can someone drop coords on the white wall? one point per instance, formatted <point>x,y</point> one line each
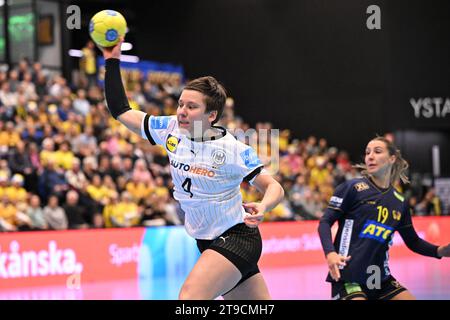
<point>50,55</point>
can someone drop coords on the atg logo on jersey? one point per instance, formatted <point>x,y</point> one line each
<point>250,158</point>
<point>361,186</point>
<point>375,230</point>
<point>172,143</point>
<point>159,123</point>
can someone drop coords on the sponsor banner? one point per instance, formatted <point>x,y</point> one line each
<point>153,255</point>
<point>63,257</point>
<point>430,107</point>
<point>74,257</point>
<point>156,71</point>
<point>167,256</point>
<point>288,244</point>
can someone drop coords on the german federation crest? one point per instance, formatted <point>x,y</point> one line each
<point>219,157</point>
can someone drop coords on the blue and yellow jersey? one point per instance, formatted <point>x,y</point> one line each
<point>368,217</point>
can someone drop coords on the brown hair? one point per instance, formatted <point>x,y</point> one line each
<point>215,94</point>
<point>398,170</point>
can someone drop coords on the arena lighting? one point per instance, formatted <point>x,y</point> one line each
<point>128,58</point>
<point>75,53</point>
<point>2,3</point>
<point>126,46</point>
<point>124,57</point>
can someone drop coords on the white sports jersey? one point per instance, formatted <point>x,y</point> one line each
<point>206,175</point>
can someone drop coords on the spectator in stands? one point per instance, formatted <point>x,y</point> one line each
<point>138,188</point>
<point>319,173</point>
<point>8,100</point>
<point>111,209</point>
<point>311,146</point>
<point>75,177</point>
<point>88,64</point>
<point>35,158</point>
<point>64,109</point>
<point>116,168</point>
<point>9,137</point>
<point>109,183</point>
<point>51,128</point>
<point>64,157</point>
<point>297,193</point>
<point>57,87</point>
<point>81,104</point>
<point>8,213</point>
<point>32,133</point>
<point>160,187</point>
<point>343,161</point>
<point>52,181</point>
<point>152,211</point>
<point>92,208</point>
<point>14,80</point>
<point>28,87</point>
<point>74,212</point>
<point>86,143</point>
<point>173,86</point>
<point>141,173</point>
<point>54,215</point>
<point>431,204</point>
<point>23,68</point>
<point>16,192</point>
<point>282,212</point>
<point>4,183</point>
<point>127,213</point>
<point>98,191</point>
<point>310,207</point>
<point>19,160</point>
<point>322,147</point>
<point>41,84</point>
<point>121,184</point>
<point>90,166</point>
<point>36,214</point>
<point>294,160</point>
<point>104,165</point>
<point>48,151</point>
<point>127,164</point>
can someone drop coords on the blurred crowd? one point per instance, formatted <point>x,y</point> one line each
<point>65,163</point>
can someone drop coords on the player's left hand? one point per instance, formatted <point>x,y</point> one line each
<point>444,251</point>
<point>255,213</point>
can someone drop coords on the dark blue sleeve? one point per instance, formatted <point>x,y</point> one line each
<point>412,240</point>
<point>116,98</point>
<point>340,202</point>
<point>328,219</point>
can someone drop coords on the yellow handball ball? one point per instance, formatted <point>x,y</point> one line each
<point>106,27</point>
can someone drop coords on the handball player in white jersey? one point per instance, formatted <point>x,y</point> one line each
<point>207,166</point>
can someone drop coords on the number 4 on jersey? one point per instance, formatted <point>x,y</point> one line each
<point>187,184</point>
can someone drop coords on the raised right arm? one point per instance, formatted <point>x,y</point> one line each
<point>116,98</point>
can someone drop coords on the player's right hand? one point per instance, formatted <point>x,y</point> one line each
<point>444,251</point>
<point>334,262</point>
<point>112,52</point>
<point>255,213</point>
